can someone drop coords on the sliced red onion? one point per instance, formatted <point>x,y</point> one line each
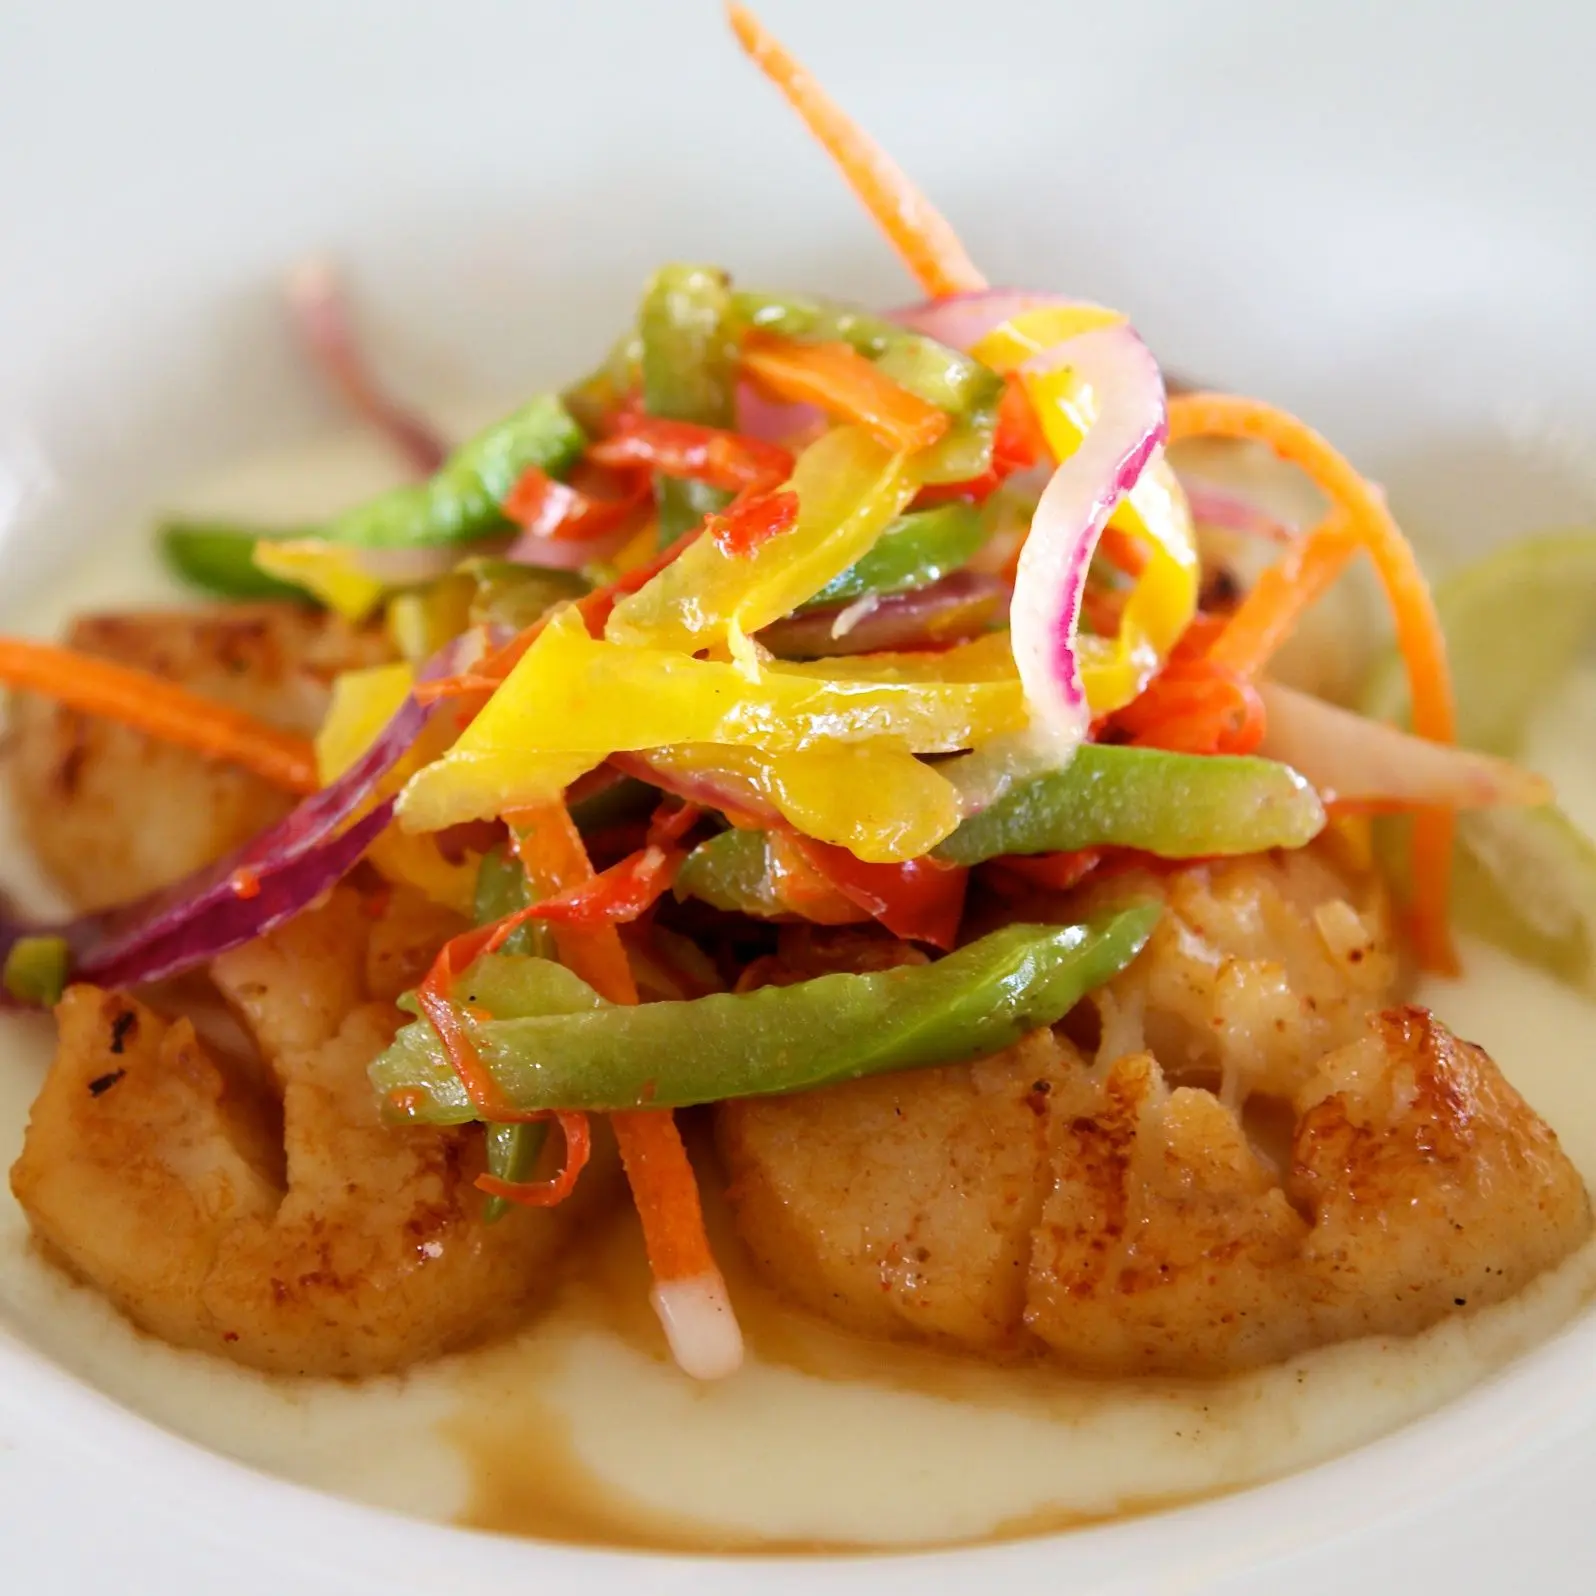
<point>770,420</point>
<point>281,871</point>
<point>961,606</point>
<point>1351,759</point>
<point>212,916</point>
<point>567,554</point>
<point>1118,370</point>
<point>963,320</point>
<point>410,567</point>
<point>1231,512</point>
<point>1075,505</point>
<point>710,788</point>
<point>321,316</point>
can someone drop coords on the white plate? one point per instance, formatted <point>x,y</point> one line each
<point>1376,213</point>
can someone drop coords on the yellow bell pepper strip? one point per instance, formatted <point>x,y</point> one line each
<point>849,489</point>
<point>572,700</point>
<point>219,558</point>
<point>330,572</point>
<point>363,702</point>
<point>1154,512</point>
<point>688,359</point>
<point>423,620</point>
<point>507,594</point>
<point>880,803</point>
<point>1419,634</point>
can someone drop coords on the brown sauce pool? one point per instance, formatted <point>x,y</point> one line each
<point>528,1476</point>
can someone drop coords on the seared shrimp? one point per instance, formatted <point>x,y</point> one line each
<point>112,814</point>
<point>1041,1201</point>
<point>287,1228</point>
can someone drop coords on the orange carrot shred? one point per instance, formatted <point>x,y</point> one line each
<point>1369,524</point>
<point>547,1193</point>
<point>1269,613</point>
<point>844,384</point>
<point>666,1193</point>
<point>656,1164</point>
<point>160,709</point>
<point>928,246</point>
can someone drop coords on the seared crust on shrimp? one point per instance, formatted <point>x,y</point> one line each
<point>111,813</point>
<point>335,1245</point>
<point>1041,1201</point>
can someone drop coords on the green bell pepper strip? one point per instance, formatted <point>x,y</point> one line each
<point>461,501</point>
<point>501,891</point>
<point>594,400</point>
<point>731,871</point>
<point>512,1150</point>
<point>219,558</point>
<point>689,372</point>
<point>515,595</point>
<point>958,383</point>
<point>36,969</point>
<point>912,552</point>
<point>778,1039</point>
<point>512,1153</point>
<point>1178,806</point>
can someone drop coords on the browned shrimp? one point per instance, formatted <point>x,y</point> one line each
<point>112,814</point>
<point>1039,1200</point>
<point>279,1223</point>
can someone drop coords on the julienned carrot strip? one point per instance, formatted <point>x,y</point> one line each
<point>844,384</point>
<point>1270,612</point>
<point>159,708</point>
<point>435,999</point>
<point>547,1193</point>
<point>929,247</point>
<point>657,1169</point>
<point>1419,636</point>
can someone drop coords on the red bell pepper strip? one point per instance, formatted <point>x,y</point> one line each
<point>559,510</point>
<point>921,899</point>
<point>723,459</point>
<point>1017,445</point>
<point>751,520</point>
<point>616,896</point>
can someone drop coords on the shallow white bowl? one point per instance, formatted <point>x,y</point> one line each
<point>1377,214</point>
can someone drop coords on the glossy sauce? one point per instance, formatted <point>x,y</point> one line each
<point>580,1429</point>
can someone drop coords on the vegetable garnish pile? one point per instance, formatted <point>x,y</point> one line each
<point>724,672</point>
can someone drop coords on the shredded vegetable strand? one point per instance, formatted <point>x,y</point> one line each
<point>929,247</point>
<point>159,708</point>
<point>1269,613</point>
<point>1419,636</point>
<point>844,384</point>
<point>321,317</point>
<point>689,1292</point>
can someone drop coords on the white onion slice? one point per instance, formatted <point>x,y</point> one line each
<point>1352,759</point>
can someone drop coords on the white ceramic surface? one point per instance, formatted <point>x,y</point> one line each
<point>1377,213</point>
